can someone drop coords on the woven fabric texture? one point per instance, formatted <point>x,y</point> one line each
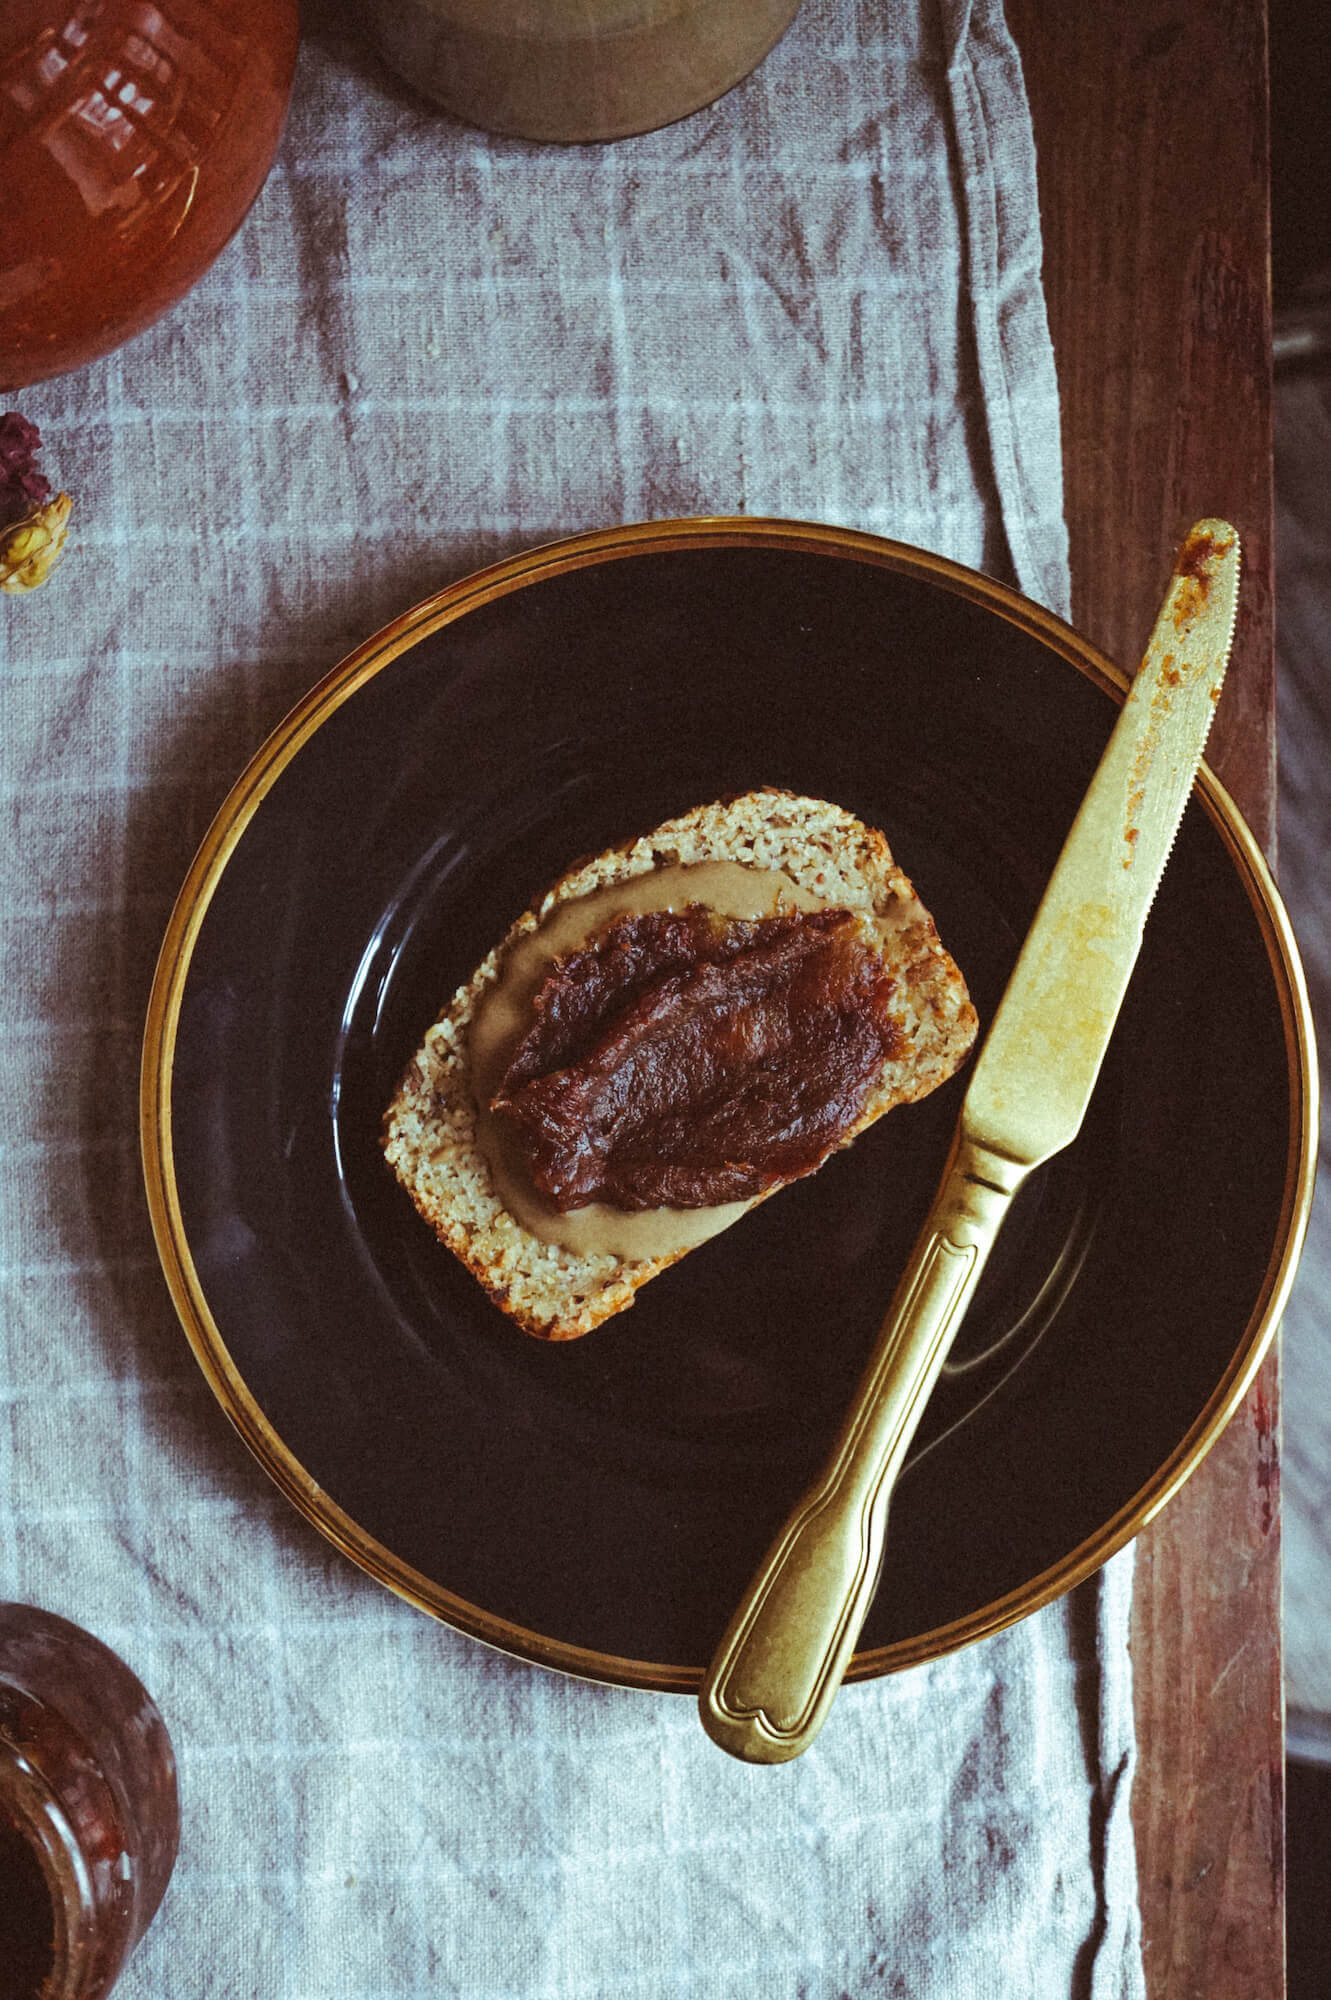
<point>426,348</point>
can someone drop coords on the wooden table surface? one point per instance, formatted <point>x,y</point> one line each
<point>1151,129</point>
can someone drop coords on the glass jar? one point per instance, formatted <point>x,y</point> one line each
<point>133,139</point>
<point>89,1813</point>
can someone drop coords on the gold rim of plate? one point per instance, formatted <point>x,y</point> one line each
<point>220,842</point>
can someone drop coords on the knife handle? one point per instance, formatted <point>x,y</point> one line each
<point>777,1670</point>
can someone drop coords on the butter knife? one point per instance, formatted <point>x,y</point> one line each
<point>777,1669</point>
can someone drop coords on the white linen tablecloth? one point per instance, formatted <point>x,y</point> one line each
<point>427,347</point>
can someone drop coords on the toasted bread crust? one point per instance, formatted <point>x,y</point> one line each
<point>430,1128</point>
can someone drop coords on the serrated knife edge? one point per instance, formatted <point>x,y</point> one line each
<point>1039,1062</point>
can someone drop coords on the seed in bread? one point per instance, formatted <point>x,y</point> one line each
<point>749,860</point>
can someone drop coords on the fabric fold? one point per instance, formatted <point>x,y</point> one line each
<point>1014,354</point>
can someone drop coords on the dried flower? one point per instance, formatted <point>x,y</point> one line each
<point>32,525</point>
<point>22,486</point>
<point>31,548</point>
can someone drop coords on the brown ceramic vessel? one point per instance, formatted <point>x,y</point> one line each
<point>576,69</point>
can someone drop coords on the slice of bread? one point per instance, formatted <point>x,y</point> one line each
<point>430,1129</point>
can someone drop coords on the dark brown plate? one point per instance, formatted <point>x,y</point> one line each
<point>599,1505</point>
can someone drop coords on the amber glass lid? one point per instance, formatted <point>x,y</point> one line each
<point>133,140</point>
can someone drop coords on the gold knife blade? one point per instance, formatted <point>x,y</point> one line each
<point>776,1671</point>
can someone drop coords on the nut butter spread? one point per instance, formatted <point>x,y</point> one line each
<point>658,1054</point>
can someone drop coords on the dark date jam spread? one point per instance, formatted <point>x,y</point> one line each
<point>683,1059</point>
